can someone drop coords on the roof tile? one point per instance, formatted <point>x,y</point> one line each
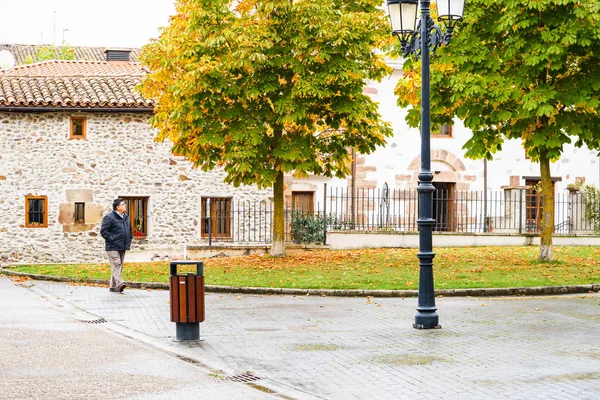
<point>77,68</point>
<point>68,91</point>
<point>72,83</point>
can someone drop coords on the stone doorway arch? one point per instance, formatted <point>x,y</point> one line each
<point>452,183</point>
<point>445,166</point>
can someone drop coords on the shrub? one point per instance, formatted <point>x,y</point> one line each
<point>592,203</point>
<point>307,228</point>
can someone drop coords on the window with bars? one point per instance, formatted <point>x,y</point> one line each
<point>137,209</point>
<point>78,128</point>
<point>36,211</point>
<point>79,216</point>
<point>219,211</point>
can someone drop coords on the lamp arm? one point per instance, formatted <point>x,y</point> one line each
<point>435,38</point>
<point>448,35</point>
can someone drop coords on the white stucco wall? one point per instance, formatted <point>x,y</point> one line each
<point>395,158</point>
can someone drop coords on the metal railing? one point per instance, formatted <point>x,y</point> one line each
<point>516,211</point>
<point>252,221</point>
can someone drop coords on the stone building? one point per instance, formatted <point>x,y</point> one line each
<point>74,135</point>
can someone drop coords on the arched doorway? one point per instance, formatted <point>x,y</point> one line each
<point>451,184</point>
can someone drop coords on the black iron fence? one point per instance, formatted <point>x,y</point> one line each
<point>517,211</point>
<point>507,211</point>
<point>252,221</point>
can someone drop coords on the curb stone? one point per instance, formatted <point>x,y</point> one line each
<point>477,292</point>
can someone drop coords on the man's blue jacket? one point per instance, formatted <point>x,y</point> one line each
<point>116,231</point>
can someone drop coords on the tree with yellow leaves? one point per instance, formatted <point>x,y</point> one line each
<point>262,88</point>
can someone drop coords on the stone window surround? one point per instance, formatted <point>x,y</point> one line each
<point>45,211</point>
<point>93,212</point>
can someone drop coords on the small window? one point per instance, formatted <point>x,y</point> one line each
<point>137,209</point>
<point>219,223</point>
<point>36,211</point>
<point>78,127</point>
<point>445,131</point>
<point>79,216</point>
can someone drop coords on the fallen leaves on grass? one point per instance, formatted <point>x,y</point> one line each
<point>368,269</point>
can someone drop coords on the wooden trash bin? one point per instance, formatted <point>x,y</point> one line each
<point>187,300</point>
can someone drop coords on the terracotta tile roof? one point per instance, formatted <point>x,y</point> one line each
<point>22,51</point>
<point>84,92</point>
<point>77,68</point>
<point>72,83</point>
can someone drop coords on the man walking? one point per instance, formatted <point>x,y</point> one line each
<point>116,231</point>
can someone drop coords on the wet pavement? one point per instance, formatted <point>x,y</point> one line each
<point>49,351</point>
<point>355,348</point>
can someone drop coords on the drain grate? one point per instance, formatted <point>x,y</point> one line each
<point>93,321</point>
<point>244,378</point>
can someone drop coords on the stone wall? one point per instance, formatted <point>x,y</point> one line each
<point>118,158</point>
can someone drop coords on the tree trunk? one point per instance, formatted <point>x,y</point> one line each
<point>547,209</point>
<point>278,247</point>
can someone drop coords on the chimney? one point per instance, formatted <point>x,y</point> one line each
<point>117,55</point>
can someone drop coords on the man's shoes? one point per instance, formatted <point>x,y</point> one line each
<point>119,289</point>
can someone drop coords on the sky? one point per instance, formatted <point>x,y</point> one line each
<point>104,23</point>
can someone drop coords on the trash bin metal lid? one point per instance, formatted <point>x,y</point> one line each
<point>199,266</point>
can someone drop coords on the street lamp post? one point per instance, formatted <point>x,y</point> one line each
<point>418,40</point>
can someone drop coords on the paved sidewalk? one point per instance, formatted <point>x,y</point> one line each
<point>47,353</point>
<point>357,348</point>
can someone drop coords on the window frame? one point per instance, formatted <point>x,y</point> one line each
<point>439,134</point>
<point>228,219</point>
<point>132,208</point>
<point>44,223</point>
<point>83,128</point>
<point>82,213</point>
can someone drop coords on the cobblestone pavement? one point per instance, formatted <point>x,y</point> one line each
<point>359,348</point>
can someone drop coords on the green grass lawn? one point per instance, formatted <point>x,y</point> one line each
<point>465,267</point>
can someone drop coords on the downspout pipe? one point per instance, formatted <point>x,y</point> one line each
<point>485,216</point>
